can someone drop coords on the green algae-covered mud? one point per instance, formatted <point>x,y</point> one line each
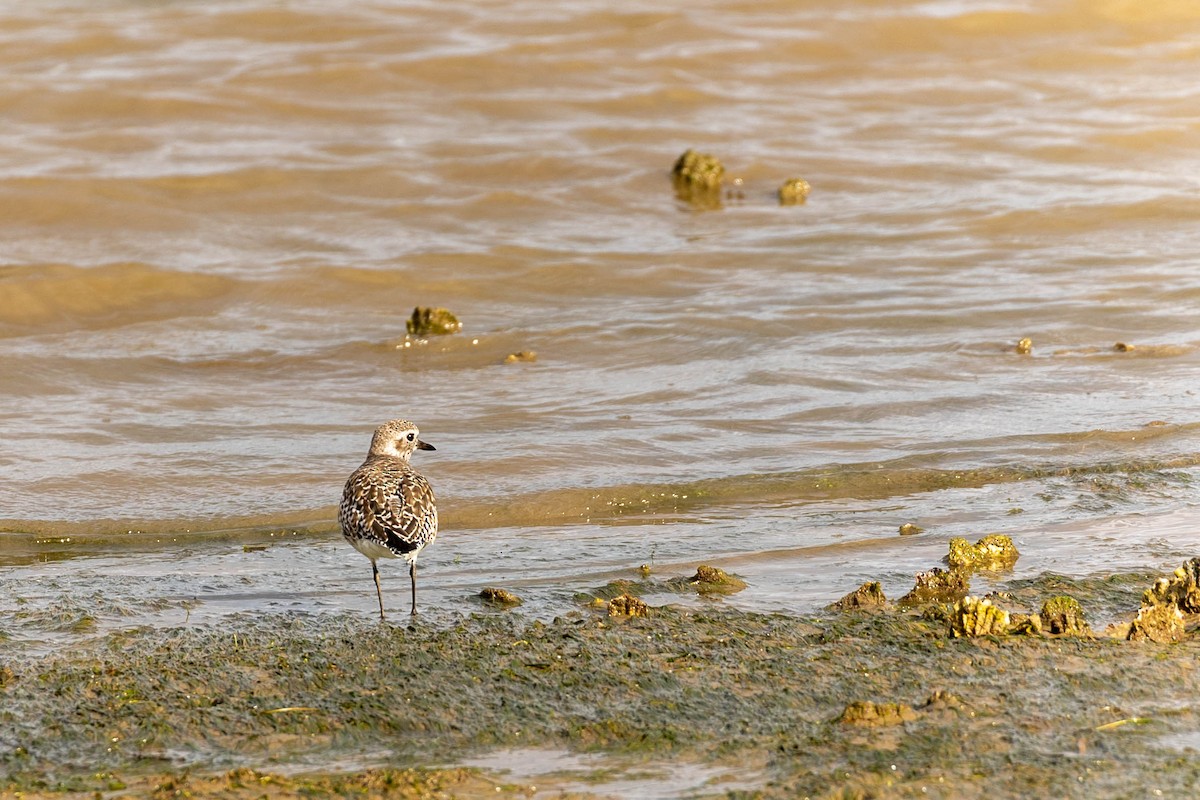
<point>244,709</point>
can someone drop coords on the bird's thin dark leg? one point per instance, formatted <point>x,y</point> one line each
<point>378,590</point>
<point>412,573</point>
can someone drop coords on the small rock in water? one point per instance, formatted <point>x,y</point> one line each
<point>794,192</point>
<point>499,597</point>
<point>697,178</point>
<point>1025,346</point>
<point>909,529</point>
<point>432,322</point>
<point>521,355</point>
<point>715,580</point>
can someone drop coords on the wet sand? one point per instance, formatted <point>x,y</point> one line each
<point>341,704</point>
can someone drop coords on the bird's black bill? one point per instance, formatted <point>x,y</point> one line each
<point>424,445</point>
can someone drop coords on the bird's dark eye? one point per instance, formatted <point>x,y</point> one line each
<point>412,436</point>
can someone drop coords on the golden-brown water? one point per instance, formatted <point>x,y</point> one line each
<point>215,218</point>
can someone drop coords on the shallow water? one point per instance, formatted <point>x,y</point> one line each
<point>216,218</point>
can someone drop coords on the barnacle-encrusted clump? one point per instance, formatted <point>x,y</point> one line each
<point>1160,618</point>
<point>864,712</point>
<point>697,178</point>
<point>1063,615</point>
<point>940,698</point>
<point>1157,623</point>
<point>910,529</point>
<point>499,597</point>
<point>994,551</point>
<point>709,580</point>
<point>1024,346</point>
<point>869,596</point>
<point>1027,624</point>
<point>1181,591</point>
<point>627,605</point>
<point>526,356</point>
<point>974,616</point>
<point>793,192</point>
<point>938,586</point>
<point>698,170</point>
<point>432,322</point>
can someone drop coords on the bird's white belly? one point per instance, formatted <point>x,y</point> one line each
<point>373,550</point>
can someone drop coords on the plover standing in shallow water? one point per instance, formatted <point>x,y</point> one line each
<point>387,507</point>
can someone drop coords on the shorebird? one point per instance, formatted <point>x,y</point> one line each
<point>387,509</point>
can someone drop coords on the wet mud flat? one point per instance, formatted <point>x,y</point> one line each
<point>836,704</point>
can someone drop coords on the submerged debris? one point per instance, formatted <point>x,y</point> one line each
<point>937,586</point>
<point>992,552</point>
<point>627,605</point>
<point>974,616</point>
<point>1025,346</point>
<point>432,322</point>
<point>527,356</point>
<point>910,529</point>
<point>1123,347</point>
<point>499,597</point>
<point>794,192</point>
<point>869,596</point>
<point>864,712</point>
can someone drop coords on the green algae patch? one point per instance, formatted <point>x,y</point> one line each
<point>432,322</point>
<point>712,684</point>
<point>249,784</point>
<point>614,588</point>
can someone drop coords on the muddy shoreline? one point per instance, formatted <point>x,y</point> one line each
<point>301,694</point>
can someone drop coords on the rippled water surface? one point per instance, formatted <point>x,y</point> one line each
<point>215,219</point>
